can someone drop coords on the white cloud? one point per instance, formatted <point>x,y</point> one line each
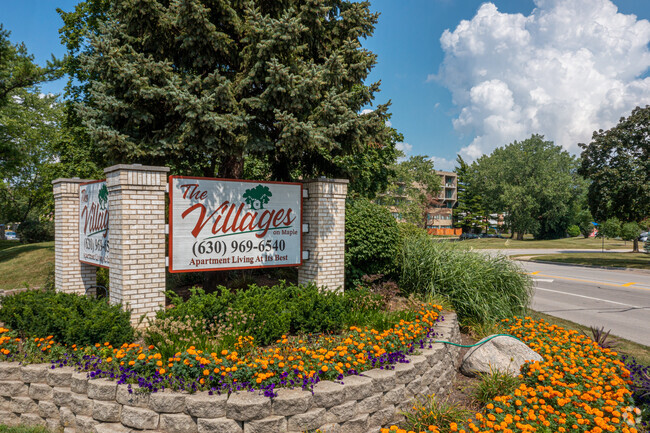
<point>366,111</point>
<point>567,69</point>
<point>443,164</point>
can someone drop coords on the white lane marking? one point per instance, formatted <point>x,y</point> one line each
<point>590,297</point>
<point>542,280</point>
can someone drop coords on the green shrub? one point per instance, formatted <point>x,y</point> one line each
<point>371,241</point>
<point>573,231</point>
<point>278,310</point>
<point>481,287</point>
<point>32,231</point>
<point>69,318</point>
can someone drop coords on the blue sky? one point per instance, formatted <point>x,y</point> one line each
<point>562,68</point>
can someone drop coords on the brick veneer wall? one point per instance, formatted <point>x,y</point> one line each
<point>324,211</point>
<point>136,200</point>
<point>70,275</point>
<point>61,398</point>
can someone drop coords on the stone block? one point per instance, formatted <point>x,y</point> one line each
<point>415,387</point>
<point>167,402</point>
<point>328,394</point>
<point>85,424</point>
<point>40,391</point>
<point>61,396</point>
<point>47,409</point>
<point>331,428</point>
<point>53,424</point>
<point>9,418</point>
<point>133,398</point>
<point>81,405</point>
<point>358,424</point>
<point>139,418</point>
<point>60,377</point>
<point>395,395</point>
<point>23,405</point>
<point>35,373</point>
<point>292,401</point>
<point>102,389</point>
<point>306,421</point>
<point>419,363</point>
<point>382,380</point>
<point>67,417</point>
<point>218,425</point>
<point>10,371</point>
<point>69,430</point>
<point>370,404</point>
<point>433,354</point>
<point>344,412</point>
<point>382,417</point>
<point>177,423</point>
<point>357,387</point>
<point>106,411</point>
<point>270,424</point>
<point>79,383</point>
<point>13,388</point>
<point>404,372</point>
<point>112,428</point>
<point>247,406</point>
<point>32,420</point>
<point>203,405</point>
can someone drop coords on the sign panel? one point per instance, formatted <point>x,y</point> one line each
<point>221,224</point>
<point>93,223</point>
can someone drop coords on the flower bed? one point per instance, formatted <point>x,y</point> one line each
<point>578,387</point>
<point>292,362</point>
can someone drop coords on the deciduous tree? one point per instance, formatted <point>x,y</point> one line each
<point>617,162</point>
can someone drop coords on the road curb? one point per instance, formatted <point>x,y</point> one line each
<point>611,268</point>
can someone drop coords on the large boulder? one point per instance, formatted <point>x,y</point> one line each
<point>502,353</point>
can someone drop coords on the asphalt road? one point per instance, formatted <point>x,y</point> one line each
<point>617,300</point>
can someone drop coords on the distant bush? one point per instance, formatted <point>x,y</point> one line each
<point>371,241</point>
<point>573,231</point>
<point>481,287</point>
<point>69,318</point>
<point>32,231</point>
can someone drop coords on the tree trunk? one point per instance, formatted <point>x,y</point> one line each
<point>520,236</point>
<point>635,248</point>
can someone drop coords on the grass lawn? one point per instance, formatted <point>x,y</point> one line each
<point>8,244</point>
<point>22,265</point>
<point>627,347</point>
<point>617,260</point>
<point>567,243</point>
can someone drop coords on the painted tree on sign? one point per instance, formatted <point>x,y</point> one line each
<point>258,195</point>
<point>103,196</point>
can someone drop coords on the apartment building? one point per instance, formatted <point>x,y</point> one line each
<point>439,215</point>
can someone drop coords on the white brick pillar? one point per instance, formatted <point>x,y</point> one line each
<point>70,275</point>
<point>136,199</point>
<point>324,211</point>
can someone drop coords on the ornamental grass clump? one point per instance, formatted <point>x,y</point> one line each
<point>578,387</point>
<point>482,288</point>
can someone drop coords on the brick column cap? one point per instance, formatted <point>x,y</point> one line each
<point>324,179</point>
<point>71,180</point>
<point>135,167</point>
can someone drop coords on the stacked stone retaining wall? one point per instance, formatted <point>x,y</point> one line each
<point>64,400</point>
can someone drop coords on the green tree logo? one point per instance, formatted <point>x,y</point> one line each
<point>103,197</point>
<point>257,197</point>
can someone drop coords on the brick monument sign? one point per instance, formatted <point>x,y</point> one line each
<point>120,223</point>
